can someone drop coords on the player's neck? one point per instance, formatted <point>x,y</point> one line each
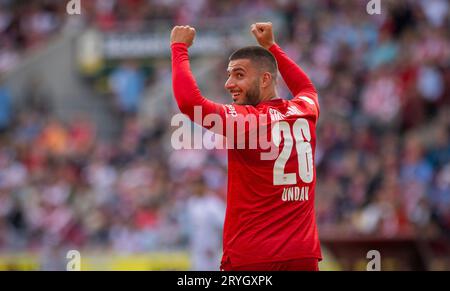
<point>270,95</point>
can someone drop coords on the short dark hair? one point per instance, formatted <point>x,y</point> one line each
<point>258,55</point>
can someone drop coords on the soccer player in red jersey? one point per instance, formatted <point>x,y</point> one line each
<point>270,219</point>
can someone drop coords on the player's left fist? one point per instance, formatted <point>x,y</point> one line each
<point>263,33</point>
<point>184,34</point>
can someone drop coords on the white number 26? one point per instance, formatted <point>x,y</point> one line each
<point>302,139</point>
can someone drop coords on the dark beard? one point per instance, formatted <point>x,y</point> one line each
<point>252,95</point>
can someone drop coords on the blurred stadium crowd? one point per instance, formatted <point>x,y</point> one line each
<point>383,153</point>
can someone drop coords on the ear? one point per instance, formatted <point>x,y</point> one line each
<point>266,79</point>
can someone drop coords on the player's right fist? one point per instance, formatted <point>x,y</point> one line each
<point>184,34</point>
<point>263,33</point>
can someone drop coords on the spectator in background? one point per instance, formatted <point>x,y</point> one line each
<point>82,134</point>
<point>5,108</point>
<point>127,83</point>
<point>9,57</point>
<point>440,200</point>
<point>54,137</point>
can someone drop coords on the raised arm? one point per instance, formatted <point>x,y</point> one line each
<point>185,89</point>
<point>296,79</point>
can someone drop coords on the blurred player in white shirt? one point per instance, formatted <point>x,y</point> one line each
<point>206,214</point>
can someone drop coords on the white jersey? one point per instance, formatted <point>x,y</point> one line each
<point>206,216</point>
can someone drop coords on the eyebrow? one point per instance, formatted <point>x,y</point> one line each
<point>235,70</point>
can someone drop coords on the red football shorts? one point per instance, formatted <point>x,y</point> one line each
<point>291,265</point>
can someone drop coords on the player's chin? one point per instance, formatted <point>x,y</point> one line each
<point>238,101</point>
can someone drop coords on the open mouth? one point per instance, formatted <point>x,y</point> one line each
<point>235,95</point>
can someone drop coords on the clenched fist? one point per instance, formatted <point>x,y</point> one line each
<point>263,33</point>
<point>184,34</point>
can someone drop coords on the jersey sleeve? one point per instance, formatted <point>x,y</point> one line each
<point>298,82</point>
<point>185,88</point>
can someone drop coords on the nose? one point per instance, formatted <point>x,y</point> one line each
<point>229,84</point>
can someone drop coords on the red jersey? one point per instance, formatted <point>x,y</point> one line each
<point>270,213</point>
